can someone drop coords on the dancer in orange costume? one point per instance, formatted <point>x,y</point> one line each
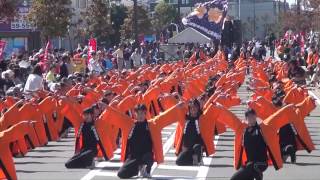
<point>10,118</point>
<point>195,134</point>
<point>141,139</point>
<point>31,112</point>
<point>14,133</point>
<point>253,142</point>
<point>47,107</point>
<point>90,142</point>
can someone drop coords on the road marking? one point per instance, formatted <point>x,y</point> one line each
<point>107,174</point>
<point>166,132</point>
<point>97,172</point>
<point>109,164</point>
<point>166,148</point>
<point>91,174</point>
<point>164,177</point>
<point>170,158</point>
<point>179,168</point>
<point>204,170</point>
<point>315,96</point>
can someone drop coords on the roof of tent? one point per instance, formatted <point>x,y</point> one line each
<point>189,35</point>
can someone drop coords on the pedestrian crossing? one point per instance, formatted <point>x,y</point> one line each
<point>169,169</point>
<point>109,168</point>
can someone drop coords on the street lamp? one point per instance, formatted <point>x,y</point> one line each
<point>254,18</point>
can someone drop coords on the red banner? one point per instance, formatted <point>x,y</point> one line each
<point>46,51</point>
<point>92,45</point>
<point>2,47</point>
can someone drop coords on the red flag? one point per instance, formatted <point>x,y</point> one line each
<point>92,47</point>
<point>2,47</point>
<point>46,51</point>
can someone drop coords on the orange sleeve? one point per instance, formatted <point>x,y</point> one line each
<point>229,119</point>
<point>210,100</point>
<point>151,94</point>
<point>306,106</point>
<point>18,131</point>
<point>168,117</point>
<point>127,103</point>
<point>168,102</point>
<point>211,112</point>
<point>266,107</point>
<point>289,98</point>
<point>221,81</point>
<point>232,101</point>
<point>117,119</point>
<point>280,118</point>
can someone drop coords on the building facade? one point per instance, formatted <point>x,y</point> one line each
<point>19,35</point>
<point>258,17</point>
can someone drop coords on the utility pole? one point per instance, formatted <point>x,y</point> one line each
<point>179,4</point>
<point>239,9</point>
<point>279,9</point>
<point>254,18</point>
<point>284,5</point>
<point>298,7</point>
<point>135,23</point>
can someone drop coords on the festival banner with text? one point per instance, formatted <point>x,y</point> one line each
<point>208,18</point>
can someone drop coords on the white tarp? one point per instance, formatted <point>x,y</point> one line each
<point>189,35</point>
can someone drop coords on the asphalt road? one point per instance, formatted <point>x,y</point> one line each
<point>48,162</point>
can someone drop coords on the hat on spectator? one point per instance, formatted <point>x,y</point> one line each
<point>24,64</point>
<point>8,73</point>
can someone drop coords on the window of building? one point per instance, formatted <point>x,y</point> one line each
<point>185,1</point>
<point>181,1</point>
<point>77,5</point>
<point>173,1</point>
<point>83,4</point>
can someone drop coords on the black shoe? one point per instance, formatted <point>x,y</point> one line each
<point>284,158</point>
<point>291,152</point>
<point>293,158</point>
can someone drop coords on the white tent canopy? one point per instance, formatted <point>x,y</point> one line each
<point>189,35</point>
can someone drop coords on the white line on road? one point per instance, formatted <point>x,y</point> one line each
<point>97,172</point>
<point>203,170</point>
<point>166,148</point>
<point>179,168</point>
<point>315,96</point>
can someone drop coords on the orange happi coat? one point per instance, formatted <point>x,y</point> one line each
<point>156,124</point>
<point>12,134</point>
<point>207,130</point>
<point>269,128</point>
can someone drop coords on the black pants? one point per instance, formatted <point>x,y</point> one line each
<point>185,157</point>
<point>288,150</point>
<point>65,126</point>
<point>130,167</point>
<point>82,159</point>
<point>250,172</point>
